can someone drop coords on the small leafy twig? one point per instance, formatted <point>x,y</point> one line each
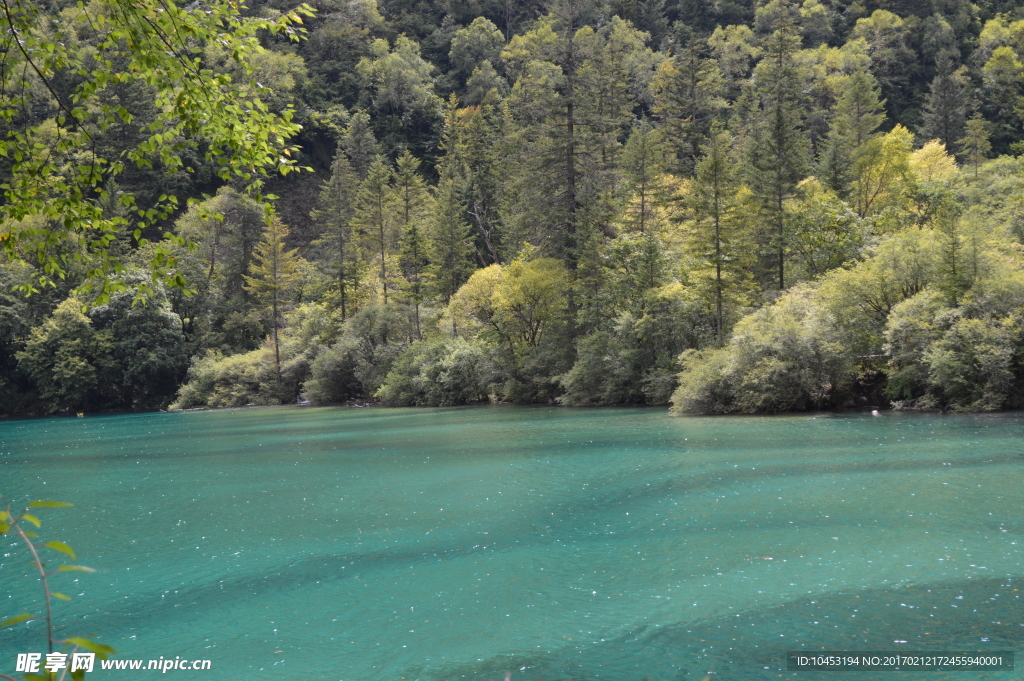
<point>10,522</point>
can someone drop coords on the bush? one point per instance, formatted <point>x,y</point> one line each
<point>235,381</point>
<point>784,357</point>
<point>215,380</point>
<point>333,375</point>
<point>440,373</point>
<point>973,365</point>
<point>954,358</point>
<point>127,353</point>
<point>147,353</point>
<point>356,366</point>
<point>636,362</point>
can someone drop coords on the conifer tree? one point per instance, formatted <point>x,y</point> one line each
<point>688,93</point>
<point>714,192</point>
<point>359,143</point>
<point>450,236</point>
<point>337,204</point>
<point>273,279</point>
<point>411,196</point>
<point>414,259</point>
<point>642,162</point>
<point>373,218</point>
<point>945,111</point>
<point>412,206</point>
<point>955,273</point>
<point>478,148</point>
<point>975,145</point>
<point>856,117</point>
<point>777,146</point>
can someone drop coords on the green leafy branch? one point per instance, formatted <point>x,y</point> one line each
<point>16,524</point>
<point>52,210</point>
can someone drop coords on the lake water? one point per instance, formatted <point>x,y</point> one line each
<point>523,543</point>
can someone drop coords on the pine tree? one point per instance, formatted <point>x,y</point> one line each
<point>337,204</point>
<point>945,111</point>
<point>373,218</point>
<point>412,203</point>
<point>359,143</point>
<point>273,279</point>
<point>411,196</point>
<point>643,163</point>
<point>688,93</point>
<point>975,144</point>
<point>777,146</point>
<point>714,192</point>
<point>476,148</point>
<point>955,275</point>
<point>856,117</point>
<point>450,236</point>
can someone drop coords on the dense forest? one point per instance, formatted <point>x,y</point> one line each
<point>728,206</point>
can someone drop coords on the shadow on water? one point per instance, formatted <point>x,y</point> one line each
<point>751,646</point>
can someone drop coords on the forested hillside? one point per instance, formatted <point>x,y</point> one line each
<point>730,206</point>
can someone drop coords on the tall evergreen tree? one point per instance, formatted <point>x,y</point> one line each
<point>337,207</point>
<point>373,217</point>
<point>273,279</point>
<point>450,237</point>
<point>714,197</point>
<point>975,144</point>
<point>856,117</point>
<point>412,206</point>
<point>359,143</point>
<point>478,149</point>
<point>688,93</point>
<point>642,163</point>
<point>777,146</point>
<point>945,111</point>
<point>955,271</point>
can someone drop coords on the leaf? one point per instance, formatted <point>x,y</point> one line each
<point>57,594</point>
<point>75,568</point>
<point>101,650</point>
<point>62,547</point>
<point>4,527</point>
<point>49,504</point>
<point>17,619</point>
<point>32,519</point>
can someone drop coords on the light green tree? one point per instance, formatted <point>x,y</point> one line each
<point>475,44</point>
<point>975,144</point>
<point>374,218</point>
<point>337,208</point>
<point>275,274</point>
<point>405,108</point>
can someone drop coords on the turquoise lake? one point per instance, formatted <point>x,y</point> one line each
<point>535,544</point>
